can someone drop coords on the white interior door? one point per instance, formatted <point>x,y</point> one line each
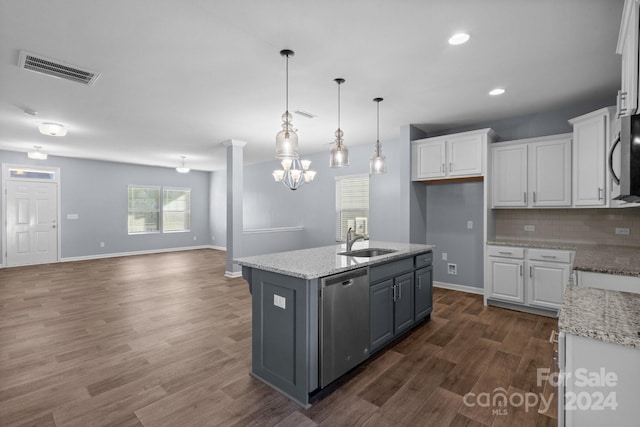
<point>32,222</point>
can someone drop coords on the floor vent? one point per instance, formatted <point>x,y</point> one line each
<point>53,68</point>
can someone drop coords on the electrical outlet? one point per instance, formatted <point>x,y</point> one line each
<point>470,225</point>
<point>529,228</point>
<point>279,301</point>
<point>452,268</point>
<point>195,237</point>
<point>444,256</point>
<point>102,244</point>
<point>72,216</point>
<point>622,230</point>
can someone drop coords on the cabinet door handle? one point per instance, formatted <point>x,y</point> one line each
<point>534,197</point>
<point>622,96</point>
<point>530,271</point>
<point>525,197</point>
<point>419,285</point>
<point>450,168</point>
<point>442,168</point>
<point>549,256</point>
<point>505,253</point>
<point>600,193</point>
<point>520,271</point>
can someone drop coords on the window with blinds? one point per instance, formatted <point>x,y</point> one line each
<point>352,205</point>
<point>176,210</point>
<point>144,209</point>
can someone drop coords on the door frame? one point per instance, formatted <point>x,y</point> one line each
<point>3,212</point>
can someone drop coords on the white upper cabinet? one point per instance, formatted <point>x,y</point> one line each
<point>628,48</point>
<point>509,175</point>
<point>460,155</point>
<point>534,172</point>
<point>590,141</point>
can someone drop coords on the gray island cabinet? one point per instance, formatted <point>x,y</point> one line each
<point>293,345</point>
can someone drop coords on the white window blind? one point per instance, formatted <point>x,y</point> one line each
<point>144,209</point>
<point>352,205</point>
<point>176,209</point>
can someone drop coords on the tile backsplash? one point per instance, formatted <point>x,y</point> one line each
<point>591,226</point>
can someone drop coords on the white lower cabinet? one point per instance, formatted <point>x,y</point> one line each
<point>527,277</point>
<point>599,383</point>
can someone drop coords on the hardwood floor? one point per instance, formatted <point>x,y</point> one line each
<point>165,340</point>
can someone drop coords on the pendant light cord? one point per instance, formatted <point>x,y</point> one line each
<point>286,103</point>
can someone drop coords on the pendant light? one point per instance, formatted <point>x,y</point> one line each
<point>286,139</point>
<point>378,163</point>
<point>339,157</point>
<point>182,168</point>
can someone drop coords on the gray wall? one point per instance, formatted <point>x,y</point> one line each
<point>97,192</point>
<point>449,207</point>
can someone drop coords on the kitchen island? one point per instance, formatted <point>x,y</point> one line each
<point>311,307</point>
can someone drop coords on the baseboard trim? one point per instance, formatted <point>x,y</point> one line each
<point>462,288</point>
<point>233,274</point>
<point>132,253</point>
<point>218,248</point>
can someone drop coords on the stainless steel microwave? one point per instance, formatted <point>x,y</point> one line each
<point>628,174</point>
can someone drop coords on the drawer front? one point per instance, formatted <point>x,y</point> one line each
<point>505,251</point>
<point>424,260</point>
<point>550,255</point>
<point>391,269</point>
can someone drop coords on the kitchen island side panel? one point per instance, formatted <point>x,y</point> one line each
<point>285,333</point>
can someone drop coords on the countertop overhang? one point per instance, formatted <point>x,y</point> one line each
<point>326,260</point>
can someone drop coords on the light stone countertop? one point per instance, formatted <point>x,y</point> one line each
<point>325,261</point>
<point>605,315</point>
<point>609,259</point>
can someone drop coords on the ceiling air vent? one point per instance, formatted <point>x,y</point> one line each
<point>53,68</point>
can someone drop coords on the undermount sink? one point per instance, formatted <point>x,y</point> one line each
<point>368,253</point>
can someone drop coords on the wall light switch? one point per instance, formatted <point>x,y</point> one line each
<point>470,225</point>
<point>622,230</point>
<point>444,256</point>
<point>279,301</point>
<point>529,228</point>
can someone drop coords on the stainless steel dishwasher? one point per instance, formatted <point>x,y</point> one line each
<point>344,323</point>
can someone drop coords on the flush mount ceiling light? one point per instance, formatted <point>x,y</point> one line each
<point>378,163</point>
<point>182,168</point>
<point>37,155</point>
<point>339,157</point>
<point>497,91</point>
<point>52,129</point>
<point>459,38</point>
<point>286,139</point>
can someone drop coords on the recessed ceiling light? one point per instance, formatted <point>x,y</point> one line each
<point>52,129</point>
<point>459,38</point>
<point>497,91</point>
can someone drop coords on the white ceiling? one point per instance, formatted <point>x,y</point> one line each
<point>180,77</point>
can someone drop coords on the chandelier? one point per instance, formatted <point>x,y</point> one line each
<point>294,173</point>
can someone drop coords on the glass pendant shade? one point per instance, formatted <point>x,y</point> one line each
<point>286,139</point>
<point>378,163</point>
<point>182,168</point>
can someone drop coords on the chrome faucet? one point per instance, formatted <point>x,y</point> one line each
<point>356,237</point>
